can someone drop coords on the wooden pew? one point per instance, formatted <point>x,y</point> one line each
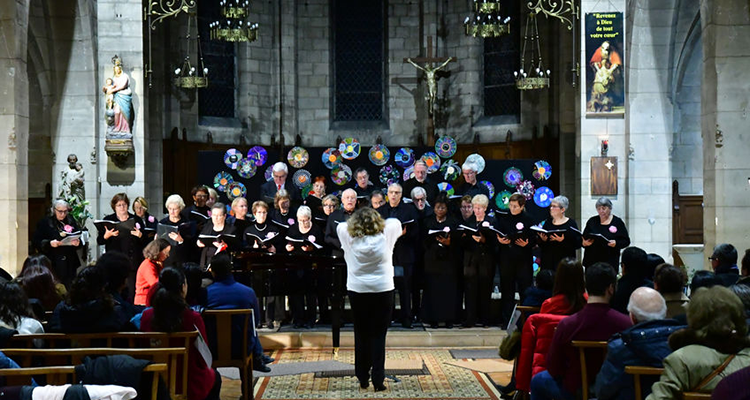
<point>637,371</point>
<point>61,375</point>
<point>223,323</point>
<point>583,346</point>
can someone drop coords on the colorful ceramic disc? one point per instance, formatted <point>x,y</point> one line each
<point>222,180</point>
<point>512,177</point>
<point>341,174</point>
<point>450,170</point>
<point>269,173</point>
<point>301,178</point>
<point>446,187</point>
<point>349,148</point>
<point>526,188</point>
<point>259,154</point>
<point>331,157</point>
<point>379,155</point>
<point>543,196</point>
<point>408,173</point>
<point>306,191</point>
<point>502,199</point>
<point>478,160</point>
<point>404,157</point>
<point>298,157</point>
<point>446,147</point>
<point>389,175</point>
<point>247,168</point>
<point>232,158</point>
<point>235,190</point>
<point>432,160</point>
<point>490,187</point>
<point>542,170</point>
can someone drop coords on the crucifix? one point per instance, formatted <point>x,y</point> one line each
<point>425,64</point>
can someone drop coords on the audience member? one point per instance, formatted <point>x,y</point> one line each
<point>542,289</point>
<point>736,386</point>
<point>170,313</point>
<point>670,282</point>
<point>196,293</point>
<point>743,292</point>
<point>724,263</point>
<point>227,294</point>
<point>714,344</point>
<point>89,308</point>
<point>644,344</point>
<point>154,255</point>
<point>745,269</point>
<point>39,282</point>
<point>653,260</point>
<point>569,292</point>
<point>15,312</point>
<point>703,278</point>
<point>634,275</point>
<point>115,266</point>
<point>596,321</point>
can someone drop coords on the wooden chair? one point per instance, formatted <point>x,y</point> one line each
<point>583,346</point>
<point>61,375</point>
<point>696,396</point>
<point>223,356</point>
<point>638,371</point>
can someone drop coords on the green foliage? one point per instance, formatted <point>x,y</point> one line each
<point>78,210</point>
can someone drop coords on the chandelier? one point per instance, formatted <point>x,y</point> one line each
<point>188,76</point>
<point>234,27</point>
<point>532,75</point>
<point>487,22</point>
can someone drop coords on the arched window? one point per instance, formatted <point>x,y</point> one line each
<point>501,58</point>
<point>217,100</point>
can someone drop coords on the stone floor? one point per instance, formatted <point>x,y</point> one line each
<point>432,347</point>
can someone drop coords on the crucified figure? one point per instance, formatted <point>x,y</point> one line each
<point>431,81</point>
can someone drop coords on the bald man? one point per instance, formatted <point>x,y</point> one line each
<point>645,343</point>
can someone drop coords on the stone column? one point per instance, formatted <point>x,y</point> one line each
<point>724,103</point>
<point>14,135</point>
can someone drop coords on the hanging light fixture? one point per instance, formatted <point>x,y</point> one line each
<point>487,20</point>
<point>189,76</point>
<point>532,75</point>
<point>233,26</point>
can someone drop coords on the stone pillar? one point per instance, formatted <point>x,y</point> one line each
<point>648,126</point>
<point>14,136</point>
<point>724,103</point>
<point>119,26</point>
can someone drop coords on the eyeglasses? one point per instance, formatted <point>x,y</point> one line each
<point>328,206</point>
<point>420,200</point>
<point>61,211</point>
<point>712,258</point>
<point>201,196</point>
<point>466,207</point>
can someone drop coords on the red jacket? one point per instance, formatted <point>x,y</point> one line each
<point>535,341</point>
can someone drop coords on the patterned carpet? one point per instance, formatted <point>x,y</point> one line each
<point>443,381</point>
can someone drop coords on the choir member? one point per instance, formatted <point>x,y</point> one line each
<point>264,235</point>
<point>224,233</point>
<point>604,236</point>
<point>421,179</point>
<point>239,218</point>
<point>283,213</point>
<point>303,238</point>
<point>349,202</point>
<point>479,262</point>
<point>441,271</point>
<point>471,186</point>
<point>183,240</point>
<point>562,238</point>
<point>268,190</point>
<point>362,184</point>
<point>49,238</point>
<point>140,208</point>
<point>314,199</point>
<point>377,199</point>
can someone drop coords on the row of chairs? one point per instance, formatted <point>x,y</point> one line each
<point>168,352</point>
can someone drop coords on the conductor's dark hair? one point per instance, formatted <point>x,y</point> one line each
<point>599,277</point>
<point>168,302</point>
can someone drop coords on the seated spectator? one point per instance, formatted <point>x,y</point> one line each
<point>745,269</point>
<point>89,308</point>
<point>147,276</point>
<point>15,312</point>
<point>714,343</point>
<point>634,275</point>
<point>227,294</point>
<point>596,321</point>
<point>116,267</point>
<point>569,292</point>
<point>196,294</point>
<point>736,386</point>
<point>39,282</point>
<point>653,260</point>
<point>670,281</point>
<point>724,263</point>
<point>542,289</point>
<point>743,292</point>
<point>643,344</point>
<point>704,279</point>
<point>170,313</point>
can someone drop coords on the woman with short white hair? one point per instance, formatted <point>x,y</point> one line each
<point>479,262</point>
<point>50,238</point>
<point>303,238</point>
<point>559,236</point>
<point>182,239</point>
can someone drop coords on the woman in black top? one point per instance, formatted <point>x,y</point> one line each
<point>265,236</point>
<point>315,199</point>
<point>129,243</point>
<point>283,214</point>
<point>140,208</point>
<point>303,238</point>
<point>564,237</point>
<point>440,265</point>
<point>49,236</point>
<point>479,263</point>
<point>604,236</point>
<point>182,241</point>
<point>239,218</point>
<point>516,269</point>
<point>217,226</point>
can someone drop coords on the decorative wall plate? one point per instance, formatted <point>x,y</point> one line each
<point>404,157</point>
<point>389,175</point>
<point>269,173</point>
<point>259,154</point>
<point>349,148</point>
<point>408,173</point>
<point>301,178</point>
<point>502,199</point>
<point>446,187</point>
<point>526,188</point>
<point>478,160</point>
<point>446,146</point>
<point>298,157</point>
<point>490,187</point>
<point>331,157</point>
<point>222,180</point>
<point>450,170</point>
<point>235,190</point>
<point>432,160</point>
<point>542,170</point>
<point>512,177</point>
<point>379,155</point>
<point>543,196</point>
<point>232,158</point>
<point>247,168</point>
<point>341,174</point>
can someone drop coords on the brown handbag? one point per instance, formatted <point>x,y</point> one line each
<point>713,374</point>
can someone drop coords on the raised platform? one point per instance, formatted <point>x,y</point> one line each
<point>320,337</point>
